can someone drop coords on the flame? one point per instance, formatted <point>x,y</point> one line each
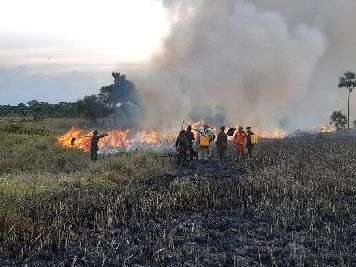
<point>82,142</point>
<point>78,139</point>
<point>117,139</point>
<point>325,129</point>
<point>276,134</point>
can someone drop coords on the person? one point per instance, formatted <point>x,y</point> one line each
<point>94,145</point>
<point>211,136</point>
<point>203,141</point>
<point>182,146</point>
<point>249,143</point>
<point>239,141</point>
<point>190,140</point>
<point>221,144</point>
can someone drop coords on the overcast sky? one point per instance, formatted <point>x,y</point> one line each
<point>59,50</point>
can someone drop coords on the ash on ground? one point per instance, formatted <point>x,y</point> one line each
<point>293,204</point>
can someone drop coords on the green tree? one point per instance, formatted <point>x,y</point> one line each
<point>92,108</point>
<point>348,81</point>
<point>122,100</point>
<point>22,110</point>
<point>338,119</point>
<point>36,109</point>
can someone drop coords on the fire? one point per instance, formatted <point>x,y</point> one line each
<point>75,138</point>
<point>115,138</point>
<point>128,140</point>
<point>78,139</point>
<point>149,137</point>
<point>324,129</point>
<point>276,134</point>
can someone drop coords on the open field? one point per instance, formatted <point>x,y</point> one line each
<point>293,204</point>
<point>56,125</point>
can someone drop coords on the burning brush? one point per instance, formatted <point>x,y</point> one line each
<point>72,141</point>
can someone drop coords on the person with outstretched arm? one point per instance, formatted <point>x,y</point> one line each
<point>94,145</point>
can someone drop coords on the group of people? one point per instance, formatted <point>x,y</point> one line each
<point>205,137</point>
<point>243,140</point>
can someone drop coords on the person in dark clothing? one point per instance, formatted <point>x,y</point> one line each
<point>94,145</point>
<point>190,140</point>
<point>249,144</point>
<point>182,146</point>
<point>221,144</point>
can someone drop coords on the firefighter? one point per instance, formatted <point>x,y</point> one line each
<point>239,141</point>
<point>190,140</point>
<point>211,135</point>
<point>221,144</point>
<point>203,141</point>
<point>249,143</point>
<point>182,146</point>
<point>94,145</point>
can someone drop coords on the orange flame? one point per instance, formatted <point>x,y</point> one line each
<point>325,129</point>
<point>276,134</point>
<point>78,139</point>
<point>115,138</point>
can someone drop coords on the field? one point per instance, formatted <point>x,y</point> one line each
<point>293,204</point>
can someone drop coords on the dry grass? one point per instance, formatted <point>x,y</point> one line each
<point>51,197</point>
<point>57,125</point>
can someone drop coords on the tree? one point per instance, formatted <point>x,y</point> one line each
<point>121,98</point>
<point>348,81</point>
<point>22,109</point>
<point>338,119</point>
<point>91,108</point>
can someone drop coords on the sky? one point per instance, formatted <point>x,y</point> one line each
<point>282,58</point>
<point>59,50</point>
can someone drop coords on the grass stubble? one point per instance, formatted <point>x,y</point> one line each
<point>293,204</point>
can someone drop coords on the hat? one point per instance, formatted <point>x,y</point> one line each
<point>248,128</point>
<point>206,125</point>
<point>222,127</point>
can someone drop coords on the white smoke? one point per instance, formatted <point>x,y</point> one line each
<point>229,53</point>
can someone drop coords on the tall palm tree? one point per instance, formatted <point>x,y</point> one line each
<point>348,81</point>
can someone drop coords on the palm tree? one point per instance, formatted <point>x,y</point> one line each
<point>348,81</point>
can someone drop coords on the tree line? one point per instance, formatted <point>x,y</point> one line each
<point>118,104</point>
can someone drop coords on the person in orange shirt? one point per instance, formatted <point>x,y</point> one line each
<point>239,141</point>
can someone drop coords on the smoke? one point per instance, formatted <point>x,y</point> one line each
<point>229,53</point>
<point>214,115</point>
<point>337,21</point>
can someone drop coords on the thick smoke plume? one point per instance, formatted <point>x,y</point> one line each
<point>229,53</point>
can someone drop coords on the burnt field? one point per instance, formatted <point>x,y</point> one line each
<point>293,204</point>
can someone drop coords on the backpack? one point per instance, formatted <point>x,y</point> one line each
<point>231,132</point>
<point>254,139</point>
<point>204,141</point>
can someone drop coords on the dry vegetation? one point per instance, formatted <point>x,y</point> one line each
<point>294,204</point>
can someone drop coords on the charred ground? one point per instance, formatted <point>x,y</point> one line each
<point>293,204</point>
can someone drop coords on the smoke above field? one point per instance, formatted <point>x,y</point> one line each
<point>233,55</point>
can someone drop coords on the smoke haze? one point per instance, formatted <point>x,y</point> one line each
<point>268,63</point>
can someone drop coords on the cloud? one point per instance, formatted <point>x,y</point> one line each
<point>18,85</point>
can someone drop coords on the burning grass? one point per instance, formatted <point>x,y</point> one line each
<point>294,204</point>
